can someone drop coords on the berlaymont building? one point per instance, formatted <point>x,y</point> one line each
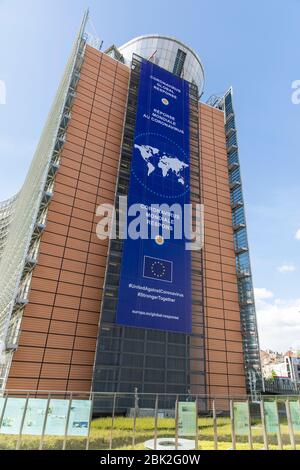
<point>82,313</point>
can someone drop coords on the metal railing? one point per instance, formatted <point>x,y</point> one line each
<point>281,387</point>
<point>131,421</point>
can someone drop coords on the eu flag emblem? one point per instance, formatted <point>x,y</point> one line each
<point>159,269</point>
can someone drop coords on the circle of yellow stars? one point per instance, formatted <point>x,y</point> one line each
<point>161,269</point>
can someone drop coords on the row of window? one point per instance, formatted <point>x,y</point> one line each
<point>245,286</point>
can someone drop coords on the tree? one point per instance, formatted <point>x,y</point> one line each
<point>273,373</point>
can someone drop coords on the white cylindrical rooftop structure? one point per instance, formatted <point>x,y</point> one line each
<point>169,53</point>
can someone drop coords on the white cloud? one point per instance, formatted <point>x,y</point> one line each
<point>286,268</point>
<point>278,322</point>
<point>297,234</point>
<point>262,293</point>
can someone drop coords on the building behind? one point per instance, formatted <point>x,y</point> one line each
<point>59,282</point>
<point>285,365</point>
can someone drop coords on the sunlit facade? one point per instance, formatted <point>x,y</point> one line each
<point>59,282</point>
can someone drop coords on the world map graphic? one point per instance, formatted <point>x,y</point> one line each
<point>166,164</point>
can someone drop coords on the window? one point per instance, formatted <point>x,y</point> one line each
<point>179,63</point>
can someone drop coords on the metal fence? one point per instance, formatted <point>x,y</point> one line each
<point>282,386</point>
<point>133,421</point>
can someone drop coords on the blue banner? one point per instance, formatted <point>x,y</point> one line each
<point>155,280</point>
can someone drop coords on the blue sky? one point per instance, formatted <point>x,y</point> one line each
<point>252,46</point>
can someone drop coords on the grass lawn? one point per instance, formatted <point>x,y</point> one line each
<point>122,436</point>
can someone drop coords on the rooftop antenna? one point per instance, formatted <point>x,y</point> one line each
<point>151,58</point>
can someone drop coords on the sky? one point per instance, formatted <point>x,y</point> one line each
<point>251,46</point>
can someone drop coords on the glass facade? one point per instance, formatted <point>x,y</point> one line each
<point>179,63</point>
<point>7,209</point>
<point>243,267</point>
<point>25,215</point>
<point>168,53</point>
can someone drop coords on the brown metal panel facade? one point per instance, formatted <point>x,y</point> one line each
<point>60,323</point>
<point>224,350</point>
